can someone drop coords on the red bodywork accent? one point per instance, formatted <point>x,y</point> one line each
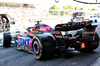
<point>95,30</point>
<point>33,29</point>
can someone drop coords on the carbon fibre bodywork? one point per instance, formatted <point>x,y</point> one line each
<point>25,42</point>
<point>56,38</point>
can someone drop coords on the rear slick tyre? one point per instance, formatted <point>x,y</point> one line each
<point>44,50</point>
<point>91,45</point>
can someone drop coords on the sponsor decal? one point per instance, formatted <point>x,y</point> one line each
<point>25,41</point>
<point>76,24</point>
<point>88,33</point>
<point>58,36</point>
<point>56,32</point>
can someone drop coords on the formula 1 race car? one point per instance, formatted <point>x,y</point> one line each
<point>47,43</point>
<point>4,23</point>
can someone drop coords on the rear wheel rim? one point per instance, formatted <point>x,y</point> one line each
<point>36,47</point>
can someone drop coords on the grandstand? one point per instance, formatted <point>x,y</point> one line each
<point>18,3</point>
<point>22,9</point>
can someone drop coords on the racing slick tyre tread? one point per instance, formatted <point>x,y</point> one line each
<point>45,49</point>
<point>92,45</point>
<point>6,39</point>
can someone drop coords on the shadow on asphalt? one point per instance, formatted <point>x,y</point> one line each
<point>68,54</point>
<point>72,54</point>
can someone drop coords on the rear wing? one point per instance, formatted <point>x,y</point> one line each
<point>74,25</point>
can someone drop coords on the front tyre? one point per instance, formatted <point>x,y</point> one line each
<point>7,39</point>
<point>44,50</point>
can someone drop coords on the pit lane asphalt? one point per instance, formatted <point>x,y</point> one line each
<point>12,57</point>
